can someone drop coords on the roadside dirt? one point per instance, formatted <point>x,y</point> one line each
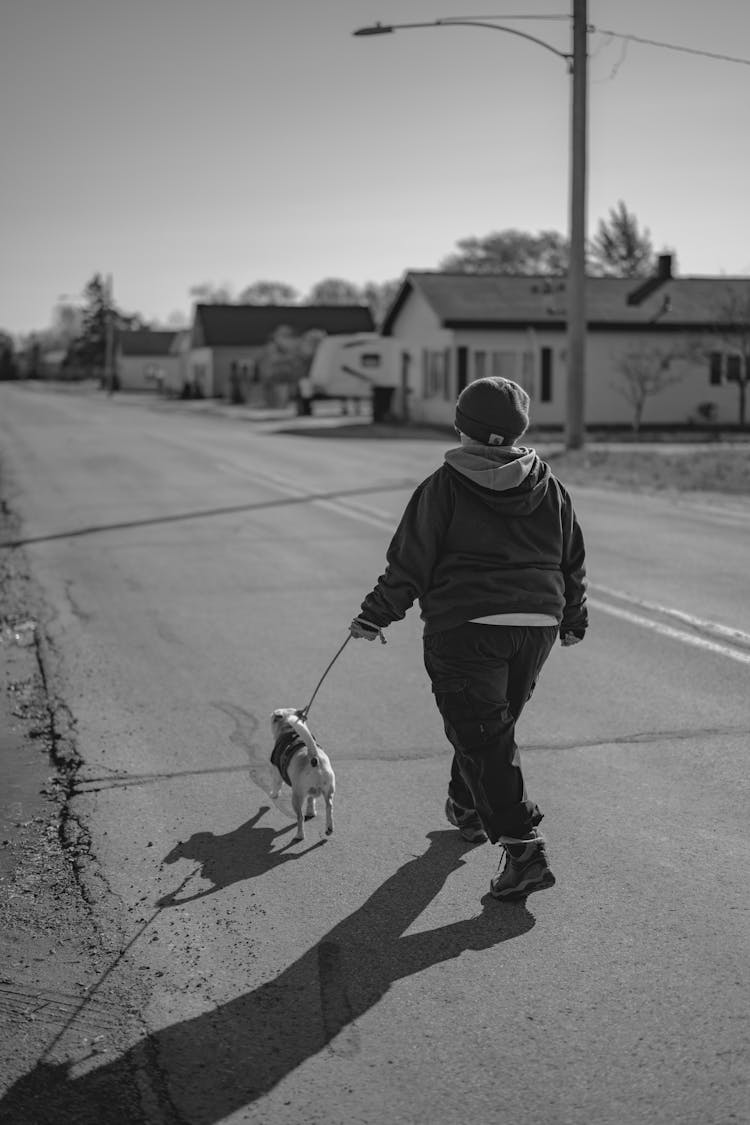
<point>59,1011</point>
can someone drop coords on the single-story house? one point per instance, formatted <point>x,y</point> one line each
<point>228,342</point>
<point>685,340</point>
<point>144,360</point>
<point>180,383</point>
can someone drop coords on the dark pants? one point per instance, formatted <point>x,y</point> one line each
<point>482,675</point>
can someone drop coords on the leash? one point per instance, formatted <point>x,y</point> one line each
<point>303,713</point>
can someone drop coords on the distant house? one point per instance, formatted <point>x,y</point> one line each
<point>144,360</point>
<point>228,342</point>
<point>179,382</point>
<point>51,364</point>
<point>459,327</point>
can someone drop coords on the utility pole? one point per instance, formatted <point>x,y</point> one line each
<point>109,333</point>
<point>576,359</point>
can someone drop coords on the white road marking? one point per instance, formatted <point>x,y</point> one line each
<point>668,631</point>
<point>384,520</point>
<point>724,632</point>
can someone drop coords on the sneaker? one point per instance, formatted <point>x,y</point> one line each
<point>526,870</point>
<point>466,821</point>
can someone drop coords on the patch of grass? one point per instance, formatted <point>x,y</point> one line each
<point>723,468</point>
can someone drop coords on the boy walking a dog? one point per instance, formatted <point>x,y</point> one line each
<point>490,546</point>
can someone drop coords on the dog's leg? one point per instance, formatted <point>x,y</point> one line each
<point>276,784</point>
<point>329,812</point>
<point>311,810</point>
<point>298,805</point>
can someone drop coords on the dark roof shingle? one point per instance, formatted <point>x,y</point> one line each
<point>252,325</point>
<point>493,300</point>
<point>145,342</point>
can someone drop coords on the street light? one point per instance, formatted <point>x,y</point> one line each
<point>576,322</point>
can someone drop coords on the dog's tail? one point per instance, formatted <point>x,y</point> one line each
<point>303,731</point>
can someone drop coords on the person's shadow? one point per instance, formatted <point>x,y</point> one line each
<point>243,854</point>
<point>223,1060</point>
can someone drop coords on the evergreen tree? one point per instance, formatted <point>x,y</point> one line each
<point>620,248</point>
<point>8,367</point>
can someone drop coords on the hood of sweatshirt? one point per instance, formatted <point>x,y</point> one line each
<point>510,479</point>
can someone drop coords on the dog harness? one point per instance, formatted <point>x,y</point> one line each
<point>286,745</point>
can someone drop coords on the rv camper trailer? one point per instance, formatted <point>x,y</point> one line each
<point>355,368</point>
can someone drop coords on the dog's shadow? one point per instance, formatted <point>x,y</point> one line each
<point>245,853</point>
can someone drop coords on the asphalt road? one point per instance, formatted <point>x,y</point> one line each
<point>200,571</point>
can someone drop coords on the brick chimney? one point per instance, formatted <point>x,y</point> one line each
<point>663,273</point>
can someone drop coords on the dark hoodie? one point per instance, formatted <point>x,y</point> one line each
<point>490,531</point>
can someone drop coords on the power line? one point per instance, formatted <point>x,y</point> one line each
<point>670,46</point>
<point>619,35</point>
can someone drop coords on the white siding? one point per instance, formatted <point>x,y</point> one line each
<point>146,373</point>
<point>419,331</point>
<point>418,328</point>
<point>200,370</point>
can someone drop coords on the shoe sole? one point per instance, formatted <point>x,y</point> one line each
<point>543,883</point>
<point>471,835</point>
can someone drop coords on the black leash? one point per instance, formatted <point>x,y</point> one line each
<point>303,713</point>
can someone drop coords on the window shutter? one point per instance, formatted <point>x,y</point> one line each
<point>545,393</point>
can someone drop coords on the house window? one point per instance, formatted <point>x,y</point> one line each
<point>726,367</point>
<point>545,389</point>
<point>435,374</point>
<point>734,368</point>
<point>504,365</point>
<point>370,359</point>
<point>480,365</point>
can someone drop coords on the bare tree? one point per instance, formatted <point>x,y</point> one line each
<point>511,252</point>
<point>379,296</point>
<point>209,294</point>
<point>285,358</point>
<point>732,327</point>
<point>334,291</point>
<point>645,372</point>
<point>268,293</point>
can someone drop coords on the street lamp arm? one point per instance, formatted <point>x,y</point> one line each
<point>450,21</point>
<point>577,68</point>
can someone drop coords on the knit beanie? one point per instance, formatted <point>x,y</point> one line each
<point>493,411</point>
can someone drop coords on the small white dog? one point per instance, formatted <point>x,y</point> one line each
<point>299,761</point>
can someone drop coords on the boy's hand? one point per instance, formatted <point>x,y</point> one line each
<point>568,639</point>
<point>360,628</point>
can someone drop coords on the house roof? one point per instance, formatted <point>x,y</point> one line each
<point>462,300</point>
<point>145,343</point>
<point>252,325</point>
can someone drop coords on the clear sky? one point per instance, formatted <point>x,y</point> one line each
<point>174,142</point>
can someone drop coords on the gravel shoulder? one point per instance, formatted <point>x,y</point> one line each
<point>59,1009</point>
